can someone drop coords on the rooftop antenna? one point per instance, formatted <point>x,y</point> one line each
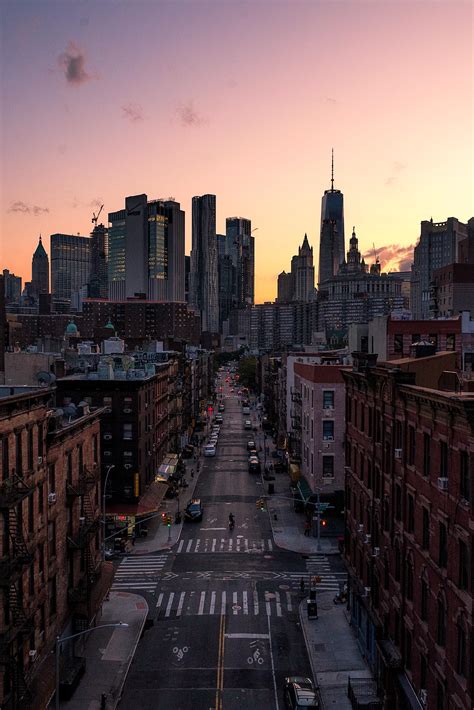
<point>332,169</point>
<point>375,253</point>
<point>95,216</point>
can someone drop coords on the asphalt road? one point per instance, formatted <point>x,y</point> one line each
<point>224,604</point>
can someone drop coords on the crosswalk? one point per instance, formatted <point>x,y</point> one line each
<point>227,544</point>
<point>318,565</point>
<point>139,572</point>
<point>232,603</point>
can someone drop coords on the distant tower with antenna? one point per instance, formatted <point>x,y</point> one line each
<point>331,243</point>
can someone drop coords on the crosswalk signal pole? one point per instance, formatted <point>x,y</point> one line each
<point>319,521</point>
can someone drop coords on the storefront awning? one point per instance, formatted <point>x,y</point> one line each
<point>148,503</point>
<point>165,471</point>
<point>304,488</point>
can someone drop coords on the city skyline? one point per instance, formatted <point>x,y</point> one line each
<point>382,119</point>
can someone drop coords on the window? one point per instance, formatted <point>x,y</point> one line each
<point>386,573</point>
<point>425,538</point>
<point>461,660</point>
<point>5,457</point>
<point>18,454</point>
<point>328,430</point>
<point>426,454</point>
<point>423,671</point>
<point>328,466</point>
<point>107,403</point>
<point>361,466</point>
<point>407,649</point>
<point>52,478</point>
<point>463,580</point>
<point>328,399</point>
<point>441,629</point>
<point>348,409</point>
<point>52,596</point>
<point>398,343</point>
<point>409,579</point>
<point>397,561</point>
<point>398,502</point>
<point>362,417</point>
<point>40,439</point>
<point>415,338</point>
<point>464,477</point>
<point>450,341</point>
<point>31,513</point>
<point>424,599</point>
<point>433,338</point>
<point>52,538</point>
<point>443,459</point>
<point>40,558</point>
<point>30,448</point>
<point>69,467</point>
<point>127,432</point>
<point>411,514</point>
<point>40,498</point>
<point>80,459</point>
<point>95,448</point>
<point>411,446</point>
<point>443,545</point>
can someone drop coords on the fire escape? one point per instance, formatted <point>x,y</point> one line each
<point>295,434</point>
<point>81,540</point>
<point>16,624</point>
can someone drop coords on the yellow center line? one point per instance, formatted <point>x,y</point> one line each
<point>220,664</point>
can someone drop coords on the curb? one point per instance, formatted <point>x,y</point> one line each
<point>308,648</point>
<point>117,695</point>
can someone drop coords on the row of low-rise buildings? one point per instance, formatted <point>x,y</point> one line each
<point>390,446</point>
<point>98,417</point>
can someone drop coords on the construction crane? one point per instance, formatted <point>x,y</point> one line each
<point>95,216</point>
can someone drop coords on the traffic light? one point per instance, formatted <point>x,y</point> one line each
<point>261,504</point>
<point>164,517</point>
<point>169,520</point>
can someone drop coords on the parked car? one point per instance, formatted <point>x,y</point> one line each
<point>254,465</point>
<point>247,424</point>
<point>188,451</point>
<point>250,445</point>
<point>194,510</point>
<point>221,407</point>
<point>216,429</point>
<point>299,692</point>
<point>209,450</point>
<point>219,418</point>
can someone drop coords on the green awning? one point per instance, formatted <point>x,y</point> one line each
<point>304,488</point>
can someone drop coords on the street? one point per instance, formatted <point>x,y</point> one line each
<point>224,604</point>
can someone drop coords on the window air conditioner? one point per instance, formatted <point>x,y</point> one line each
<point>398,454</point>
<point>360,528</point>
<point>376,551</point>
<point>33,654</point>
<point>368,539</point>
<point>51,498</point>
<point>40,460</point>
<point>443,483</point>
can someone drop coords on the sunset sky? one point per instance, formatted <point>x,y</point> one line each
<point>241,99</point>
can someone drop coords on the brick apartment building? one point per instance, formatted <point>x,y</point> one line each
<point>409,528</point>
<point>52,580</point>
<point>137,320</point>
<point>133,430</point>
<point>318,410</point>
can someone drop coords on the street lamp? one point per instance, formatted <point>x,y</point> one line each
<point>60,641</point>
<point>109,469</point>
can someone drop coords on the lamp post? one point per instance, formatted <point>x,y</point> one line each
<point>109,469</point>
<point>60,641</point>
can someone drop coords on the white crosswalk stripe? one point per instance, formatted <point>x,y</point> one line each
<point>139,572</point>
<point>217,545</point>
<point>209,603</point>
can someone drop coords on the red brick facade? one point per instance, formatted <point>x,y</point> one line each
<point>409,536</point>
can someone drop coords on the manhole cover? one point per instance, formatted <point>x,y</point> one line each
<point>284,586</point>
<point>236,607</point>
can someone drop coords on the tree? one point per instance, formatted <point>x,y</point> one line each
<point>248,372</point>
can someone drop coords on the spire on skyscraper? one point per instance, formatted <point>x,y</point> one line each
<point>332,169</point>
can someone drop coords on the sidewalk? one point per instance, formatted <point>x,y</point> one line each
<point>160,537</point>
<point>109,653</point>
<point>333,651</point>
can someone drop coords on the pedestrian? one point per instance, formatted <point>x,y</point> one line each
<point>307,528</point>
<point>192,473</point>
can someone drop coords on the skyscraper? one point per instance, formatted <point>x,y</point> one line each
<point>98,280</point>
<point>303,272</point>
<point>332,244</point>
<point>39,271</point>
<point>204,277</point>
<point>70,268</point>
<point>241,248</point>
<point>146,250</point>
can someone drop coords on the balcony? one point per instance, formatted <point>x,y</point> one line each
<point>86,528</point>
<point>87,480</point>
<point>12,491</point>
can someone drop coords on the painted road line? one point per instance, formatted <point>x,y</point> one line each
<point>222,544</point>
<point>234,602</point>
<point>180,603</point>
<point>277,706</point>
<point>246,545</point>
<point>160,599</point>
<point>278,603</point>
<point>223,602</point>
<point>213,603</point>
<point>213,549</point>
<point>189,545</point>
<point>267,604</point>
<point>196,548</point>
<point>201,603</point>
<point>255,602</point>
<point>270,545</point>
<point>289,605</point>
<point>170,604</point>
<point>247,636</point>
<point>231,542</point>
<point>245,602</point>
<point>180,546</point>
<point>211,528</point>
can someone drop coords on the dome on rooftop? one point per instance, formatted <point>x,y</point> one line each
<point>110,325</point>
<point>71,328</point>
